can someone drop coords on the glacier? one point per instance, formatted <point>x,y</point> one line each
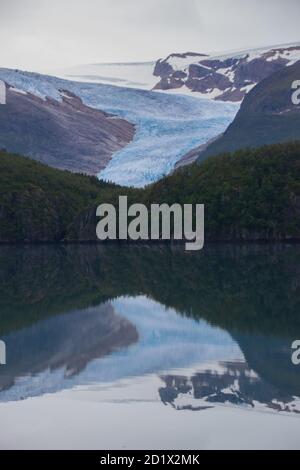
<point>167,126</point>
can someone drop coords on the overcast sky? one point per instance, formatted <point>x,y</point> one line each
<point>51,34</point>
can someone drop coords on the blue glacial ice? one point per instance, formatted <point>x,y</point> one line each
<point>167,125</point>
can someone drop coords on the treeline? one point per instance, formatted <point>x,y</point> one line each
<point>249,195</point>
<point>38,203</point>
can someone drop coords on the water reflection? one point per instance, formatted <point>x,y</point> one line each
<point>79,315</point>
<point>125,338</point>
<point>226,383</point>
<point>67,342</point>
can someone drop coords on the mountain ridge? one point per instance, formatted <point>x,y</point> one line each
<point>211,75</point>
<point>266,116</point>
<point>226,76</point>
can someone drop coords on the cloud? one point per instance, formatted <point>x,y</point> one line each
<point>41,35</point>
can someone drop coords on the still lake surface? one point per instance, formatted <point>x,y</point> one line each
<point>149,347</point>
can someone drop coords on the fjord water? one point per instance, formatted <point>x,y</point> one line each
<point>149,347</point>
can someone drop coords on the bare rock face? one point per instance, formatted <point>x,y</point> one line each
<point>225,78</point>
<point>163,67</point>
<point>67,135</point>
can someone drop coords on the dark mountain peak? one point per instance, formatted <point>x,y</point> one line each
<point>267,116</point>
<point>226,77</point>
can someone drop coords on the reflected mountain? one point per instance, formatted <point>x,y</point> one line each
<point>76,315</point>
<point>127,338</point>
<point>68,342</point>
<point>226,383</point>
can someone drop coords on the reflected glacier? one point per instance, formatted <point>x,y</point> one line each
<point>128,337</point>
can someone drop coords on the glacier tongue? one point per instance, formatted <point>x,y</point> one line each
<point>167,126</point>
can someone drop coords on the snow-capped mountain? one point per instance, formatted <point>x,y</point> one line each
<point>226,77</point>
<point>65,131</point>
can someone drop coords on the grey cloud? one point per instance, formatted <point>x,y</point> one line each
<point>40,35</point>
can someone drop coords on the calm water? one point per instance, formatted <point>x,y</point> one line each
<point>149,347</point>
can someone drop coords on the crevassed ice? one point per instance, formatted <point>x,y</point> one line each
<point>167,126</point>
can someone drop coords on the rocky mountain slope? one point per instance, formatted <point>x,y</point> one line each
<point>63,133</point>
<point>226,77</point>
<point>267,116</point>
